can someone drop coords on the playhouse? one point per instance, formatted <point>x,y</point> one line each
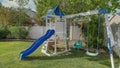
<point>55,41</point>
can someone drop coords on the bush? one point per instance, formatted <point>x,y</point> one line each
<point>3,32</point>
<point>92,34</point>
<point>17,32</point>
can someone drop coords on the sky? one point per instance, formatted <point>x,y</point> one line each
<point>8,3</point>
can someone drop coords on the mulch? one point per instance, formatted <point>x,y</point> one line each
<point>28,40</point>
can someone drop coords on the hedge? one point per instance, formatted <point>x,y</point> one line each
<point>3,33</point>
<point>17,32</point>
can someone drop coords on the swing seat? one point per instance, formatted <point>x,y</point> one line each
<point>77,45</point>
<point>92,54</point>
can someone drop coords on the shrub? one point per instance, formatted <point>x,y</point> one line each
<point>92,34</point>
<point>17,32</point>
<point>3,32</point>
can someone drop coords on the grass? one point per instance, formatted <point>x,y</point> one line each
<point>9,58</point>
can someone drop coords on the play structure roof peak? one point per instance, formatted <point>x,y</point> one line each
<point>56,10</point>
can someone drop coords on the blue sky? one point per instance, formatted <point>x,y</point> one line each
<point>8,3</point>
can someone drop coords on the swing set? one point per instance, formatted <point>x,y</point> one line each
<point>110,41</point>
<point>98,34</point>
<point>78,44</point>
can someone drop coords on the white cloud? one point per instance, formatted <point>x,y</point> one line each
<point>10,4</point>
<point>7,3</point>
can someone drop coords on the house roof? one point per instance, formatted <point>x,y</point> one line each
<point>115,18</point>
<point>56,10</point>
<point>118,13</point>
<point>29,12</point>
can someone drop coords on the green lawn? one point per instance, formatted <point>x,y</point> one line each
<point>9,58</point>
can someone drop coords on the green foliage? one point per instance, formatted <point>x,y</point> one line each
<point>9,16</point>
<point>0,5</point>
<point>91,29</point>
<point>3,32</point>
<point>74,6</point>
<point>18,32</point>
<point>77,6</point>
<point>18,18</point>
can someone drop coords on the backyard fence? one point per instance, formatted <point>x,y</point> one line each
<point>37,31</point>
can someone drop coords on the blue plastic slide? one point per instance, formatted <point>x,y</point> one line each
<point>36,44</point>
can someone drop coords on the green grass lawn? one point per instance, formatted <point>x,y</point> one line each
<point>9,58</point>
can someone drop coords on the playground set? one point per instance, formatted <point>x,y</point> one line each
<point>50,39</point>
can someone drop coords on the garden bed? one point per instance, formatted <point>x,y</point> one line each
<point>29,40</point>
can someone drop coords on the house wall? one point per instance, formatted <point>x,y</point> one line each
<point>116,33</point>
<point>115,19</point>
<point>75,33</point>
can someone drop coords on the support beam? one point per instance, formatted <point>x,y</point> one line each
<point>110,42</point>
<point>82,14</point>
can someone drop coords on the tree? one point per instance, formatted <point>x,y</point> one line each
<point>21,4</point>
<point>10,16</point>
<point>3,16</point>
<point>77,6</point>
<point>14,17</point>
<point>71,6</point>
<point>0,5</point>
